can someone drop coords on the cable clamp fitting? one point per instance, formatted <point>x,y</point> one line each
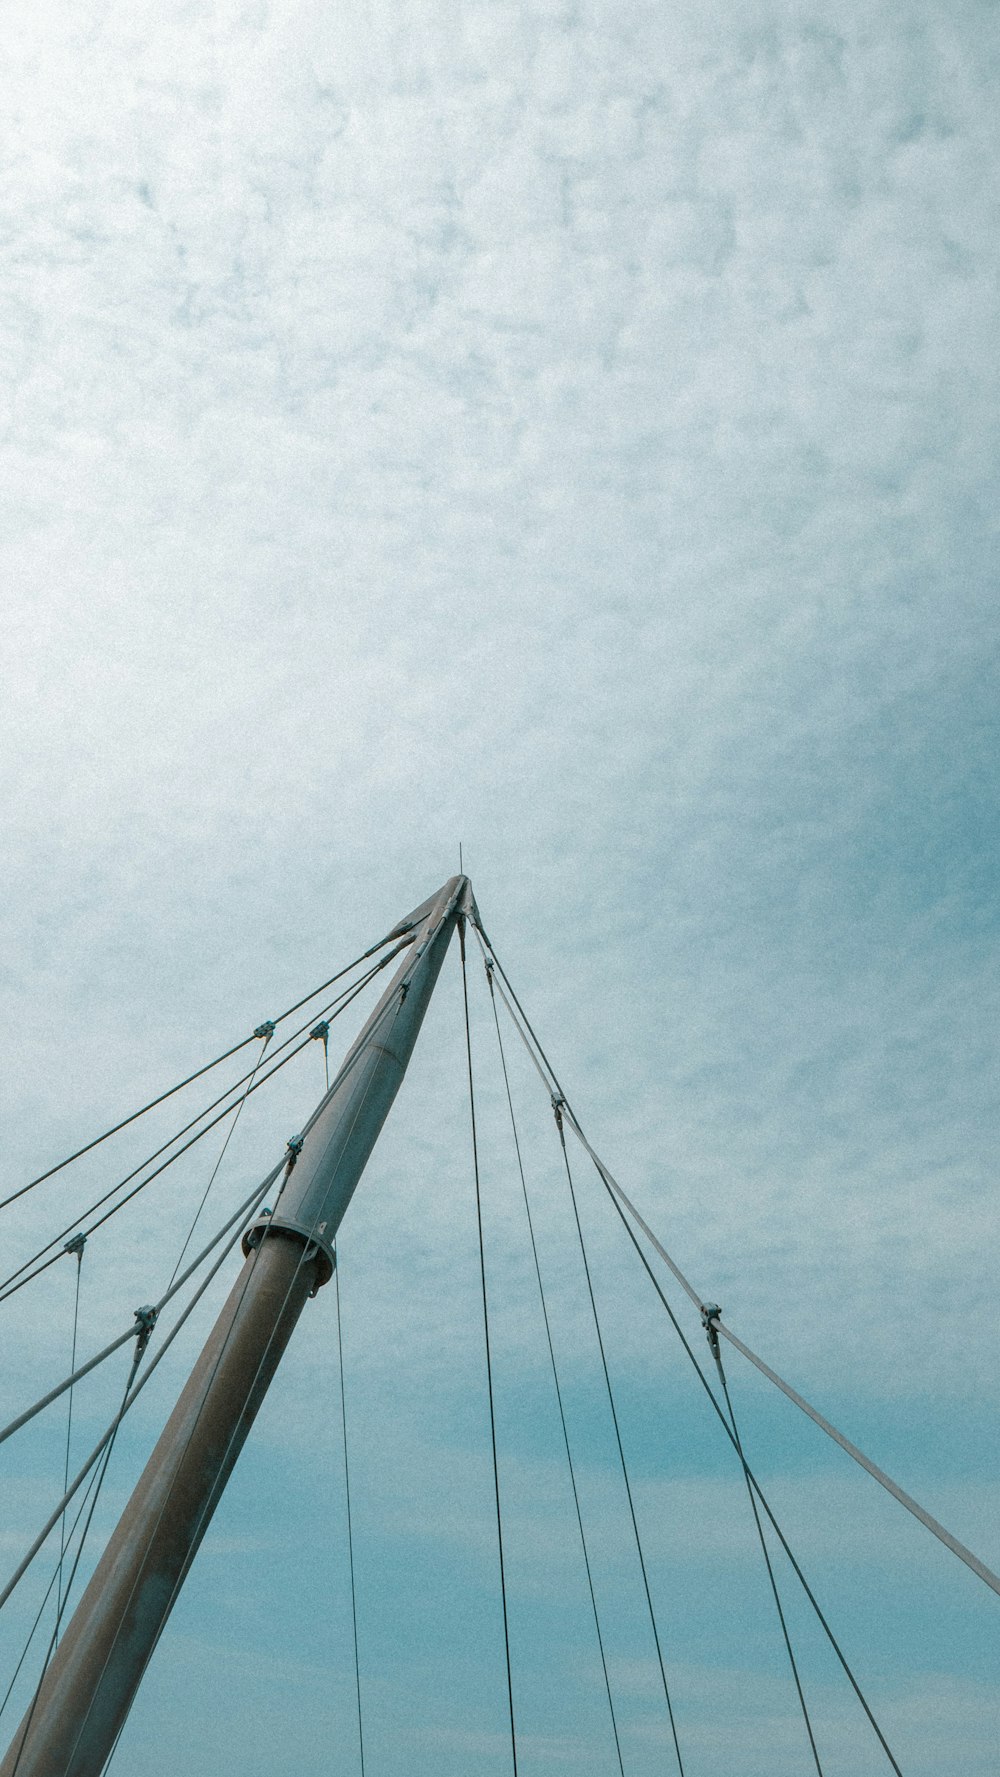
<point>710,1313</point>
<point>321,1031</point>
<point>265,1030</point>
<point>76,1245</point>
<point>145,1321</point>
<point>557,1109</point>
<point>293,1148</point>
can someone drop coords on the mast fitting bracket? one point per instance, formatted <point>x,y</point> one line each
<point>710,1312</point>
<point>317,1246</point>
<point>145,1320</point>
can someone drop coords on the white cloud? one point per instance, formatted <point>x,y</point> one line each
<point>572,432</point>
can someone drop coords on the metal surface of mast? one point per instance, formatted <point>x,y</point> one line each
<point>84,1698</point>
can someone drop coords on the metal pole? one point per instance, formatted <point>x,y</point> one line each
<point>85,1696</point>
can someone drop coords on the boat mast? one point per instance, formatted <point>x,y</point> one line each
<point>71,1727</point>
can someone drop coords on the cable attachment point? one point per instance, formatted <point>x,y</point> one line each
<point>321,1031</point>
<point>265,1030</point>
<point>557,1109</point>
<point>293,1148</point>
<point>145,1321</point>
<point>710,1313</point>
<point>255,1233</point>
<point>76,1245</point>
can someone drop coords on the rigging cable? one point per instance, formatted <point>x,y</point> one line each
<point>486,1333</point>
<point>259,1191</point>
<point>248,1273</point>
<point>614,1196</point>
<point>358,1048</point>
<point>249,1206</point>
<point>188,1309</point>
<point>209,1505</point>
<point>347,1496</point>
<point>15,1281</point>
<point>75,1246</point>
<point>137,1358</point>
<point>207,1068</point>
<point>555,1378</point>
<point>713,1340</point>
<point>557,1110</point>
<point>230,1132</point>
<point>751,1477</point>
<point>47,1595</point>
<point>978,1567</point>
<point>10,1285</point>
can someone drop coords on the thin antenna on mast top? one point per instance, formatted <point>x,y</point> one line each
<point>461,867</point>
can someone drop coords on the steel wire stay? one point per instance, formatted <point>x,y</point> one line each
<point>289,1257</point>
<point>552,1086</point>
<point>140,1383</point>
<point>290,1253</point>
<point>489,1362</point>
<point>384,1014</point>
<point>177,1283</point>
<point>17,1280</point>
<point>558,1389</point>
<point>347,1502</point>
<point>559,1101</point>
<point>620,1447</point>
<point>161,1098</point>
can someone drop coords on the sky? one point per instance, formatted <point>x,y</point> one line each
<point>569,431</point>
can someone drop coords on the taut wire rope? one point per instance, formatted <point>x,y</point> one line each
<point>557,1109</point>
<point>230,1132</point>
<point>307,1242</point>
<point>256,1195</point>
<point>486,1334</point>
<point>347,1498</point>
<point>614,1197</point>
<point>160,1353</point>
<point>751,1477</point>
<point>551,1083</point>
<point>246,1281</point>
<point>555,1379</point>
<point>161,1098</point>
<point>77,1246</point>
<point>10,1285</point>
<point>64,1600</point>
<point>716,1353</point>
<point>46,1596</point>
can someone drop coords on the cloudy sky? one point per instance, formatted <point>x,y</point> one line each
<point>568,429</point>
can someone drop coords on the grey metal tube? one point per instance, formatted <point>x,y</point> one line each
<point>92,1678</point>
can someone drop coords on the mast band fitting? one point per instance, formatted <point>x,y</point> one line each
<point>315,1240</point>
